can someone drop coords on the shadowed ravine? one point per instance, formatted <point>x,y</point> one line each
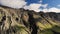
<point>21,21</point>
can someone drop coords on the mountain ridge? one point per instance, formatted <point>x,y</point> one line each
<point>21,21</point>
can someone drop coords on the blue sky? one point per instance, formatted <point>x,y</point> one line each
<point>51,3</point>
<point>32,1</point>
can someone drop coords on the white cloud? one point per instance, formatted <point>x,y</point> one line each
<point>45,5</point>
<point>57,10</point>
<point>53,9</point>
<point>35,7</point>
<point>13,3</point>
<point>22,4</point>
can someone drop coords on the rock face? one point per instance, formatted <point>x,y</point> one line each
<point>21,21</point>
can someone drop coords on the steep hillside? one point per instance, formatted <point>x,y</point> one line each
<point>21,21</point>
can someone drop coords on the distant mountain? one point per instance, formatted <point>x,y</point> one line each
<point>21,21</point>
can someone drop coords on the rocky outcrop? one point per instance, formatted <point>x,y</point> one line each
<point>21,21</point>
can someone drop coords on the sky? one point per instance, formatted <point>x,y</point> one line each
<point>51,3</point>
<point>36,5</point>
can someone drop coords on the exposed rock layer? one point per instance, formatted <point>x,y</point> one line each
<point>20,21</point>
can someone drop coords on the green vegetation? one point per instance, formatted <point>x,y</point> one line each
<point>18,21</point>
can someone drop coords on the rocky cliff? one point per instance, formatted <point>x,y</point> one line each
<point>21,21</point>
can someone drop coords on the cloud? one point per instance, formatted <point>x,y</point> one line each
<point>35,7</point>
<point>13,3</point>
<point>44,5</point>
<point>57,10</point>
<point>22,4</point>
<point>53,9</point>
